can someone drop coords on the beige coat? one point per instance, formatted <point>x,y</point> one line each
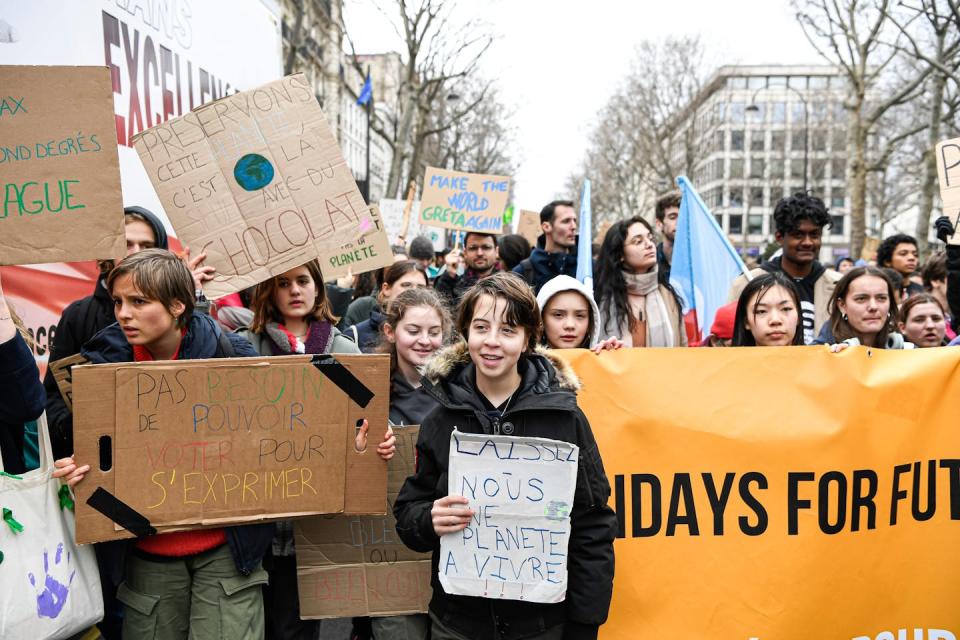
<point>609,324</point>
<point>822,294</point>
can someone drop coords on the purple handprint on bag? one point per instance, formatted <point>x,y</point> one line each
<point>51,600</point>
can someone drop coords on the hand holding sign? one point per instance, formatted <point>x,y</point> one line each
<point>448,517</point>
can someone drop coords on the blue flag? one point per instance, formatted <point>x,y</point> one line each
<point>704,262</point>
<point>585,242</point>
<point>366,93</point>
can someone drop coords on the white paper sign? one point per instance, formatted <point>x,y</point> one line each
<point>521,491</point>
<point>391,212</point>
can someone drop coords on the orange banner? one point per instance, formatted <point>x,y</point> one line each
<point>780,493</point>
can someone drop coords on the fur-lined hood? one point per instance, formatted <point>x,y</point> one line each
<point>455,356</point>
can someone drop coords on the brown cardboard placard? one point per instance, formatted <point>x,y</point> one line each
<point>464,201</point>
<point>528,225</point>
<point>357,566</point>
<point>63,375</point>
<point>366,253</point>
<point>948,170</point>
<point>256,181</point>
<point>204,443</point>
<point>61,172</point>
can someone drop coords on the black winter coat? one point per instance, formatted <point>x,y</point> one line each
<point>544,406</point>
<point>248,543</point>
<point>21,399</point>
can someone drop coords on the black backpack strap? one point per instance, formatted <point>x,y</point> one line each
<point>225,347</point>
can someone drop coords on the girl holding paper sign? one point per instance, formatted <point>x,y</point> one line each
<point>291,315</point>
<point>497,381</point>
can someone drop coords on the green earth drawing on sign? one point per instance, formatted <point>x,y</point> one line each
<point>253,172</point>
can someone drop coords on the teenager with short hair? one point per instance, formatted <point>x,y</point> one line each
<point>497,381</point>
<point>922,321</point>
<point>173,582</point>
<point>768,313</point>
<point>800,220</point>
<point>556,250</point>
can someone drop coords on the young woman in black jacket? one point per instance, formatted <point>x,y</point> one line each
<point>497,381</point>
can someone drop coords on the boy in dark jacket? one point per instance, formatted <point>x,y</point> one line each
<point>203,583</point>
<point>498,382</point>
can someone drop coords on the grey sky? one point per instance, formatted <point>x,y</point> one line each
<point>557,62</point>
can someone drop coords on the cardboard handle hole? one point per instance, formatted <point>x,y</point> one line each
<point>106,453</point>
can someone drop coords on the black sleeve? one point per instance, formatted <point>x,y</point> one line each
<point>445,284</point>
<point>593,528</point>
<point>22,397</point>
<point>953,283</point>
<point>415,501</point>
<point>59,419</point>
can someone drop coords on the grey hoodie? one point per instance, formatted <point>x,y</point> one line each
<point>562,283</point>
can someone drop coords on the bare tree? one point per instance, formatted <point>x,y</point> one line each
<point>856,36</point>
<point>440,49</point>
<point>934,41</point>
<point>631,155</point>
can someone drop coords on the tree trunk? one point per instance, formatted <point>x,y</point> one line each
<point>857,181</point>
<point>928,184</point>
<point>403,135</point>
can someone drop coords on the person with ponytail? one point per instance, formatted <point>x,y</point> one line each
<point>636,302</point>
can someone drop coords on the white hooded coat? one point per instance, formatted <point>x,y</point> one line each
<point>562,283</point>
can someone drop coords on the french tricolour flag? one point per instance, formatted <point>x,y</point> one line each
<point>704,262</point>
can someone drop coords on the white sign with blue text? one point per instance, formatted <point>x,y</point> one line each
<point>521,493</point>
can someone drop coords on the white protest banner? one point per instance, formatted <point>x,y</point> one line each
<point>521,492</point>
<point>391,212</point>
<point>464,201</point>
<point>948,170</point>
<point>256,181</point>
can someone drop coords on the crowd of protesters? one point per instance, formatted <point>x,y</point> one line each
<point>470,334</point>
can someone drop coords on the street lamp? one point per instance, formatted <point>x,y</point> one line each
<point>753,108</point>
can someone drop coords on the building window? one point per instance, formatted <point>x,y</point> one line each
<point>736,197</point>
<point>798,140</point>
<point>736,168</point>
<point>755,113</point>
<point>778,141</point>
<point>797,82</point>
<point>756,167</point>
<point>818,170</point>
<point>819,140</point>
<point>837,201</point>
<point>777,81</point>
<point>796,169</point>
<point>737,112</point>
<point>757,140</point>
<point>736,140</point>
<point>719,218</point>
<point>756,196</point>
<point>736,223</point>
<point>776,169</point>
<point>819,82</point>
<point>798,113</point>
<point>757,82</point>
<point>737,83</point>
<point>838,224</point>
<point>838,169</point>
<point>754,224</point>
<point>778,111</point>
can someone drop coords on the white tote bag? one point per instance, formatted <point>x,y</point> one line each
<point>49,586</point>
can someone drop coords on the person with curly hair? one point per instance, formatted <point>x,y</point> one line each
<point>800,220</point>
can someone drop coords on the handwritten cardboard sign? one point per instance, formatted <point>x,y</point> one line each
<point>209,442</point>
<point>528,226</point>
<point>63,375</point>
<point>368,252</point>
<point>521,492</point>
<point>58,159</point>
<point>948,169</point>
<point>464,201</point>
<point>256,181</point>
<point>358,566</point>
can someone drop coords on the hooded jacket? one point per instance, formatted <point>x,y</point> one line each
<point>545,406</point>
<point>563,283</point>
<point>825,283</point>
<point>80,321</point>
<point>543,266</point>
<point>203,339</point>
<point>367,333</point>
